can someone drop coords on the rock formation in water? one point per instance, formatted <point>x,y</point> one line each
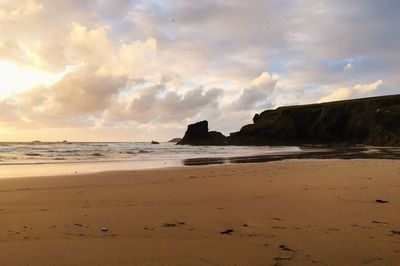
<point>175,140</point>
<point>198,134</point>
<point>369,121</point>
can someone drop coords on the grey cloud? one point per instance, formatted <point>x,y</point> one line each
<point>156,104</point>
<point>86,93</point>
<point>258,95</point>
<point>252,98</point>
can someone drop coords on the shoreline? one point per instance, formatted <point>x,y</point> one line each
<point>168,168</point>
<point>71,169</point>
<point>291,212</point>
<point>182,166</point>
<point>307,153</point>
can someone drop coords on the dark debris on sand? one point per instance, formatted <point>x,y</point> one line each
<point>395,232</point>
<point>227,232</point>
<point>381,201</point>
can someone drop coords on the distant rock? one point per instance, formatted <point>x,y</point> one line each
<point>368,121</point>
<point>198,134</point>
<point>175,140</point>
<point>155,142</point>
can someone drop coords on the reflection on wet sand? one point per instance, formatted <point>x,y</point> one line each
<point>307,153</point>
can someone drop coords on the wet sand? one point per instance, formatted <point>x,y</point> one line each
<point>308,152</point>
<point>296,212</point>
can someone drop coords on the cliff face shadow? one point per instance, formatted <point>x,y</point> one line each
<point>345,153</point>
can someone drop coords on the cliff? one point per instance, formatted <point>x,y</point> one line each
<point>369,121</point>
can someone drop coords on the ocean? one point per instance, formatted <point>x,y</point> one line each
<point>53,158</point>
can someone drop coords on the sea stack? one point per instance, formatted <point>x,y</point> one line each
<point>198,134</point>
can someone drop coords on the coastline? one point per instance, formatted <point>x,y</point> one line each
<point>81,168</point>
<point>304,153</point>
<point>290,212</point>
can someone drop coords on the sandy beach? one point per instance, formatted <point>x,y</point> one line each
<point>296,212</point>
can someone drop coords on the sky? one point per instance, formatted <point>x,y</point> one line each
<point>141,70</point>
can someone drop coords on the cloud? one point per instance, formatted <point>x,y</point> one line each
<point>364,88</point>
<point>83,99</point>
<point>100,70</point>
<point>78,94</point>
<point>258,95</point>
<point>358,90</point>
<point>157,104</point>
<point>94,48</point>
<point>337,95</point>
<point>14,12</point>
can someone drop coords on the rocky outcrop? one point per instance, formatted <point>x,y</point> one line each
<point>369,121</point>
<point>175,140</point>
<point>198,134</point>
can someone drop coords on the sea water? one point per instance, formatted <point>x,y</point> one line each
<point>51,158</point>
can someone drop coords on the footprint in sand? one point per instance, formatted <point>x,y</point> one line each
<point>378,222</point>
<point>284,253</point>
<point>372,260</point>
<point>174,224</point>
<point>278,227</point>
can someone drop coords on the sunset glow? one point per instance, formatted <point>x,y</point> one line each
<point>17,78</point>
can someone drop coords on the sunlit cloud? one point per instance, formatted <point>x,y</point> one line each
<point>17,10</point>
<point>358,90</point>
<point>16,78</point>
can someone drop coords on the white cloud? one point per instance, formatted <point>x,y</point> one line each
<point>364,88</point>
<point>358,90</point>
<point>17,10</point>
<point>337,95</point>
<point>264,80</point>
